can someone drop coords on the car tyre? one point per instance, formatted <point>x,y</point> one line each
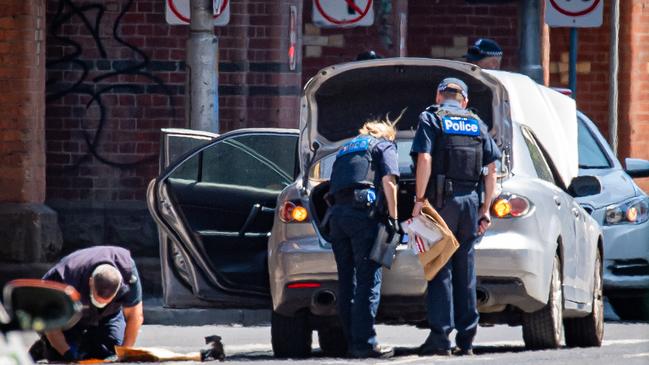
<point>332,341</point>
<point>290,336</point>
<point>543,329</point>
<point>632,308</point>
<point>589,331</point>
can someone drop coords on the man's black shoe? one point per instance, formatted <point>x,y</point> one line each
<point>458,351</point>
<point>425,350</point>
<point>378,352</point>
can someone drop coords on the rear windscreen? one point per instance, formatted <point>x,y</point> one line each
<point>347,100</point>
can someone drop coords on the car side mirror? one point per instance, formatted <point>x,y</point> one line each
<point>585,186</point>
<point>41,305</point>
<point>636,167</point>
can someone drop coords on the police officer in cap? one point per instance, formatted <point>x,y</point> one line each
<point>111,294</point>
<point>364,173</point>
<point>451,147</point>
<point>485,53</point>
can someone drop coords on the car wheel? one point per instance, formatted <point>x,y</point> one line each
<point>543,329</point>
<point>589,331</point>
<point>332,341</point>
<point>290,336</point>
<point>631,308</point>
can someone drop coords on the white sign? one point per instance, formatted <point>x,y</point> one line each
<point>343,13</point>
<point>177,12</point>
<point>574,13</point>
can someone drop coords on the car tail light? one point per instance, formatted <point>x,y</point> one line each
<point>291,212</point>
<point>303,285</point>
<point>511,206</point>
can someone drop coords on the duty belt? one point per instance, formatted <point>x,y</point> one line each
<point>345,196</point>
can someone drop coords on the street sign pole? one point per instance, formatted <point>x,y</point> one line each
<point>613,74</point>
<point>572,68</point>
<point>202,88</point>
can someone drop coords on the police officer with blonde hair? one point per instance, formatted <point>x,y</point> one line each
<point>451,147</point>
<point>365,172</point>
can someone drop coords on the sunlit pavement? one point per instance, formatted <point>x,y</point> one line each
<point>625,343</point>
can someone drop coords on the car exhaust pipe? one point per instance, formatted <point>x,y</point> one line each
<point>325,298</point>
<point>482,296</point>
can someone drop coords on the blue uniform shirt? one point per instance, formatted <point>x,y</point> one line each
<point>429,128</point>
<point>385,152</point>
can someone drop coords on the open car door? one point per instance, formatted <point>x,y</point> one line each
<point>214,207</point>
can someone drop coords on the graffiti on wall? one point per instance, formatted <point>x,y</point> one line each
<point>90,15</point>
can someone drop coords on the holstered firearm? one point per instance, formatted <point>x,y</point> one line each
<point>440,183</point>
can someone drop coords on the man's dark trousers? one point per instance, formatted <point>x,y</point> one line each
<point>94,342</point>
<point>451,297</point>
<point>359,278</point>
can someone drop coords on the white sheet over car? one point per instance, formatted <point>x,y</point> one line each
<point>552,117</point>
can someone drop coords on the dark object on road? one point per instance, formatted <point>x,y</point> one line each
<point>214,351</point>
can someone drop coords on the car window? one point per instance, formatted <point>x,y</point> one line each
<point>591,155</point>
<point>538,160</point>
<point>256,160</point>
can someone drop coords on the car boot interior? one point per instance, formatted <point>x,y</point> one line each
<point>347,100</point>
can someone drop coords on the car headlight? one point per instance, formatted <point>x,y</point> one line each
<point>632,211</point>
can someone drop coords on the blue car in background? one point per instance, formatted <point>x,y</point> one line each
<point>622,209</point>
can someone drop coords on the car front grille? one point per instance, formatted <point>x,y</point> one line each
<point>635,267</point>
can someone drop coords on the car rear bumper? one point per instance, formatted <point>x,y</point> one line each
<point>512,269</point>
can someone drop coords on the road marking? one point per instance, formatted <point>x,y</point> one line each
<point>644,354</point>
<point>625,342</point>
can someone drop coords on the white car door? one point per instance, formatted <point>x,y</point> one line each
<point>564,206</point>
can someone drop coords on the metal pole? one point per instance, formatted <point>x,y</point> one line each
<point>572,67</point>
<point>530,49</point>
<point>202,101</point>
<point>613,71</point>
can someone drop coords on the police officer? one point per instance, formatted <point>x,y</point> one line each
<point>365,171</point>
<point>485,53</point>
<point>451,147</point>
<point>111,294</point>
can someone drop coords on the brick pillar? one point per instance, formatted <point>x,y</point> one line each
<point>28,229</point>
<point>633,122</point>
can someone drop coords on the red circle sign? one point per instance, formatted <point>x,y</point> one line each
<point>186,19</point>
<point>361,12</point>
<point>573,12</point>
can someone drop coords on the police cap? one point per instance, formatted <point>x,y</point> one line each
<point>453,85</point>
<point>483,47</point>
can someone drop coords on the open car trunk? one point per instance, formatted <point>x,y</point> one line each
<point>340,98</point>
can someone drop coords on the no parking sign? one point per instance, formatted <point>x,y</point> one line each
<point>568,13</point>
<point>177,12</point>
<point>343,13</point>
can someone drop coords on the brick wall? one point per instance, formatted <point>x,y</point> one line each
<point>634,82</point>
<point>439,29</point>
<point>22,177</point>
<point>329,46</point>
<point>112,86</point>
<point>109,94</point>
<point>445,28</point>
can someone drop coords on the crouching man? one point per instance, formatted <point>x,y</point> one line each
<point>111,294</point>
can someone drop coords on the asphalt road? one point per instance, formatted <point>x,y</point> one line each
<point>626,343</point>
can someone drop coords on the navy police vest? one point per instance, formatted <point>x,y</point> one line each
<point>354,166</point>
<point>76,269</point>
<point>458,148</point>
